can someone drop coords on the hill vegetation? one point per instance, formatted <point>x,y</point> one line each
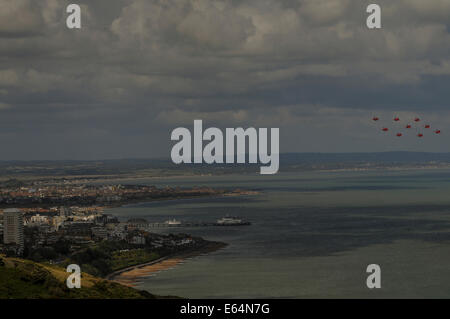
<point>108,256</point>
<point>25,279</point>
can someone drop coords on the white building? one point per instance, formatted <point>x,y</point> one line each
<point>13,228</point>
<point>39,220</point>
<point>137,240</point>
<point>57,222</point>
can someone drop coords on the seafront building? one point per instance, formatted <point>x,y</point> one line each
<point>13,229</point>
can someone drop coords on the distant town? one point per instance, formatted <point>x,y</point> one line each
<point>45,195</point>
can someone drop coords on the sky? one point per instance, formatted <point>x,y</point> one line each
<point>137,69</point>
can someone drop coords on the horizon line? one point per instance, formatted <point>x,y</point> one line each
<point>168,158</point>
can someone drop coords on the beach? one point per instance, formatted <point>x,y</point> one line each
<point>131,276</point>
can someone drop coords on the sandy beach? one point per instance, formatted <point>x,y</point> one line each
<point>131,276</point>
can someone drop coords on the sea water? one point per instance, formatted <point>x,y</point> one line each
<point>313,234</point>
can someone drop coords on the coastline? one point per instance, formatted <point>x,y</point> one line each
<point>131,276</point>
<point>175,198</point>
<point>144,200</point>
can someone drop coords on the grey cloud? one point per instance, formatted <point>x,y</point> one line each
<point>138,68</point>
<point>20,18</point>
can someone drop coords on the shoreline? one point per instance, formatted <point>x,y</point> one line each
<point>131,276</point>
<point>144,200</point>
<point>176,198</point>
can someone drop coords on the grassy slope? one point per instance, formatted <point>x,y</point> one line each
<point>26,279</point>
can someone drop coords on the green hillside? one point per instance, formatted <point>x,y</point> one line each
<point>21,278</point>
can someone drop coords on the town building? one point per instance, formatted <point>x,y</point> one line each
<point>13,229</point>
<point>137,224</point>
<point>99,232</point>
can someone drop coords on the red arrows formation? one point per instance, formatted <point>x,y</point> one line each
<point>414,124</point>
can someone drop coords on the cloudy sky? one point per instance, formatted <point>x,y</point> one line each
<point>140,68</point>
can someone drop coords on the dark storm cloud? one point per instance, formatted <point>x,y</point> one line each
<point>137,69</point>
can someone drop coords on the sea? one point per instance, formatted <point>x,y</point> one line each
<point>312,235</point>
